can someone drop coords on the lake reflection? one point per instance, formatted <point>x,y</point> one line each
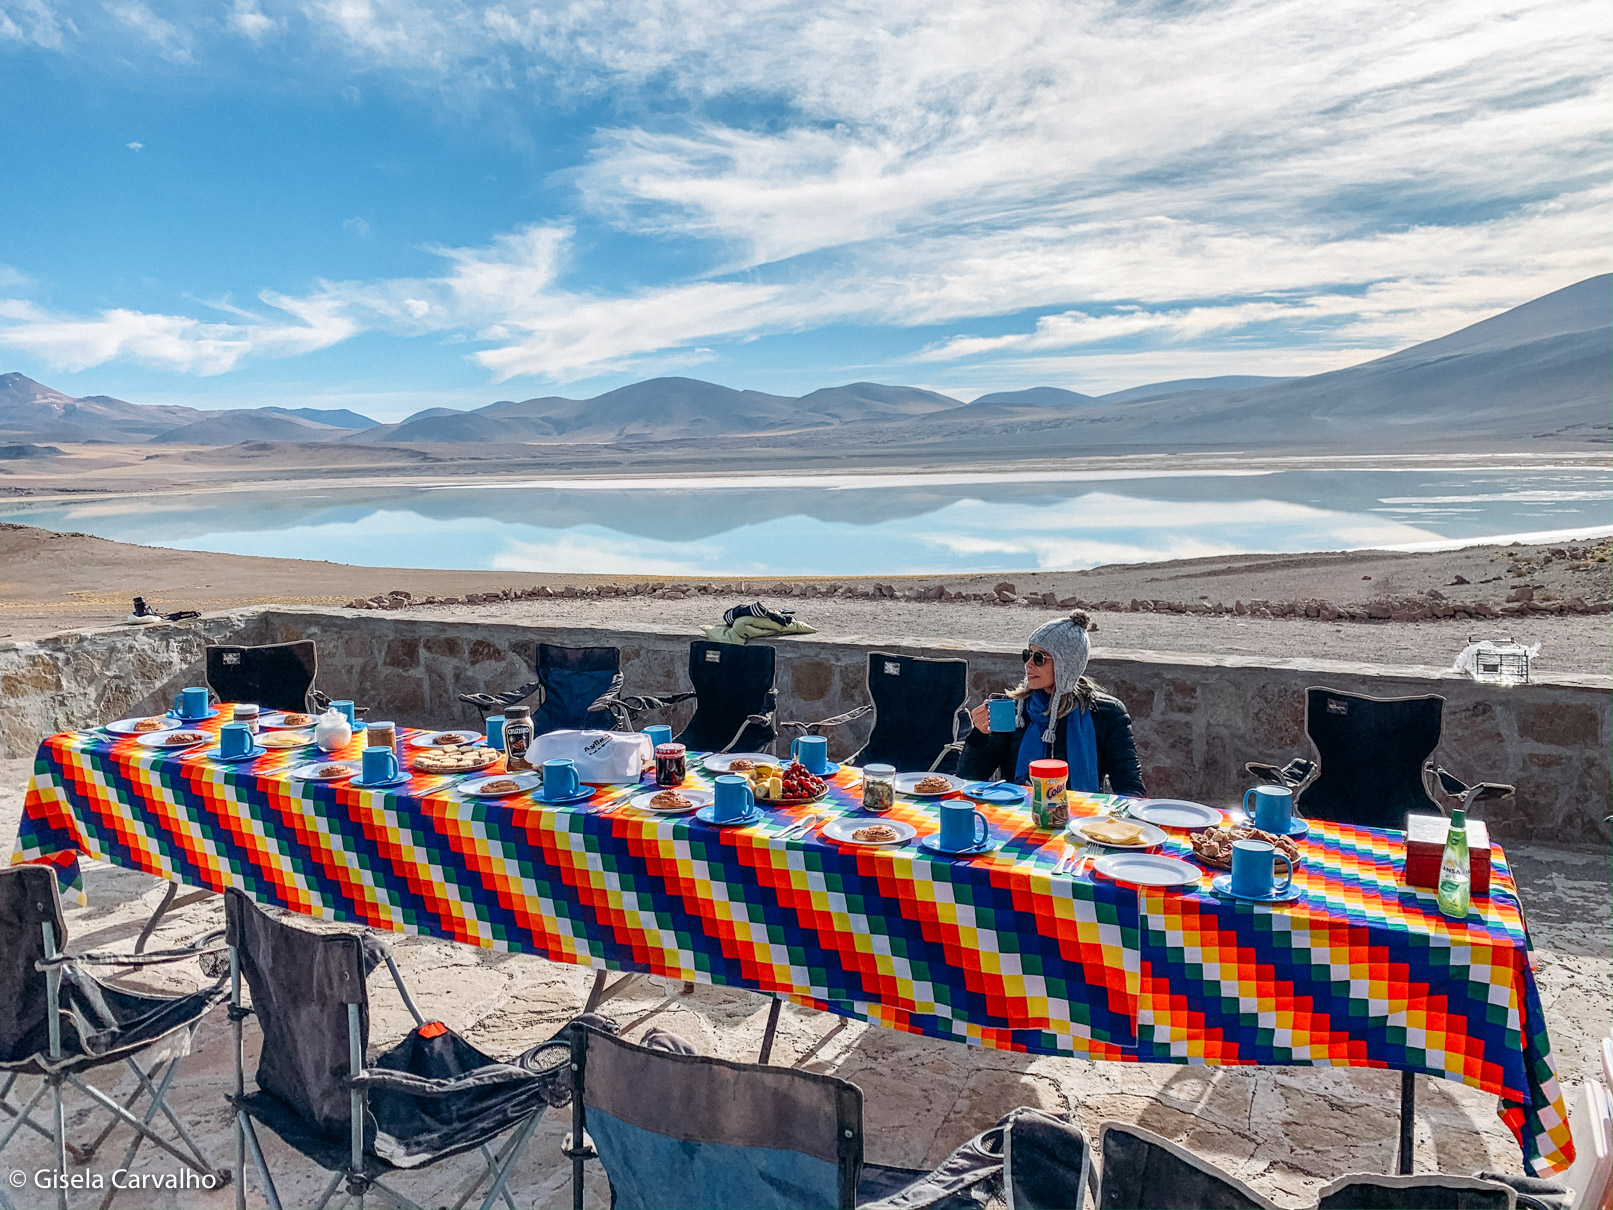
<point>853,525</point>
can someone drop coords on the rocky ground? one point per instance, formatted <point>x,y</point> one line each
<point>1385,607</point>
<point>1286,1131</point>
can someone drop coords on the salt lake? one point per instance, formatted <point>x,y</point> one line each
<point>859,524</point>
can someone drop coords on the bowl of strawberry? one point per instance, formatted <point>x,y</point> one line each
<point>800,784</point>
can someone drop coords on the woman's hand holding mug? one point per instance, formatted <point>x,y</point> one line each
<point>980,716</point>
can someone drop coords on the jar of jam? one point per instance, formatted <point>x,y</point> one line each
<point>879,788</point>
<point>671,764</point>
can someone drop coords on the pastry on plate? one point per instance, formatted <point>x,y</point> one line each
<point>150,724</point>
<point>879,833</point>
<point>671,800</point>
<point>743,765</point>
<point>180,739</point>
<point>932,785</point>
<point>500,785</point>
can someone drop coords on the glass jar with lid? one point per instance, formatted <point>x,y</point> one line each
<point>879,788</point>
<point>517,738</point>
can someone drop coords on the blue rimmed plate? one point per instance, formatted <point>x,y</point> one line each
<point>933,844</point>
<point>1001,793</point>
<point>1222,885</point>
<point>707,815</point>
<point>390,783</point>
<point>256,752</point>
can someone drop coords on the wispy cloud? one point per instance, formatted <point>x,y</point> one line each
<point>1107,185</point>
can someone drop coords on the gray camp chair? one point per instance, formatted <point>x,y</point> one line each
<point>676,1130</point>
<point>1371,1191</point>
<point>1030,1160</point>
<point>59,1022</point>
<point>1142,1171</point>
<point>430,1097</point>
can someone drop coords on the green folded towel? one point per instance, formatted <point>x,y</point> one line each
<point>745,629</point>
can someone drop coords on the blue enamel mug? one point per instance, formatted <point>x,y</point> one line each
<point>1274,809</point>
<point>811,752</point>
<point>733,798</point>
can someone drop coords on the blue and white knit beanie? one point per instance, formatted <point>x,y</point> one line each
<point>1066,641</point>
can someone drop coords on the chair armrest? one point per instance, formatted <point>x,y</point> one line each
<point>838,720</point>
<point>210,943</point>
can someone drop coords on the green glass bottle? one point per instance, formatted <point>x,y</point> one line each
<point>1455,876</point>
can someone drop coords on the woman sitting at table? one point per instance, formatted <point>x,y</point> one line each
<point>1060,713</point>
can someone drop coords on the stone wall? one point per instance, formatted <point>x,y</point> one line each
<point>1198,719</point>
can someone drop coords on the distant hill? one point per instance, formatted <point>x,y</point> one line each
<point>248,424</point>
<point>1540,371</point>
<point>1157,390</point>
<point>340,418</point>
<point>1036,397</point>
<point>31,411</point>
<point>17,453</point>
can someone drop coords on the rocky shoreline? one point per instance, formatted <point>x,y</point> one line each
<point>1521,599</point>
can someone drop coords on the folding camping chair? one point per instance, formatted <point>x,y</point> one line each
<point>1369,1191</point>
<point>676,1129</point>
<point>1142,1171</point>
<point>277,676</point>
<point>1030,1160</point>
<point>1373,762</point>
<point>58,1022</point>
<point>576,686</point>
<point>735,700</point>
<point>1373,767</point>
<point>919,720</point>
<point>1588,1183</point>
<point>430,1097</point>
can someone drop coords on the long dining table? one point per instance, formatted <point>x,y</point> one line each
<point>999,950</point>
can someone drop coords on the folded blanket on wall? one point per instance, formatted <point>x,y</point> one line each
<point>743,630</point>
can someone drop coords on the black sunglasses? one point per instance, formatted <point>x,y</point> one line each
<point>1037,658</point>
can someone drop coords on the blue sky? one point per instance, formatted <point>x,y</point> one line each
<point>390,204</point>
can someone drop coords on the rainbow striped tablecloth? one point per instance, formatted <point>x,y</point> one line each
<point>996,951</point>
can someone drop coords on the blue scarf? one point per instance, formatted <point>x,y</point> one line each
<point>1079,738</point>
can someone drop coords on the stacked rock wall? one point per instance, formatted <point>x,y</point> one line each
<point>1197,719</point>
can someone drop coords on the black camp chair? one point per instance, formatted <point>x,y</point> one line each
<point>735,701</point>
<point>1142,1171</point>
<point>430,1097</point>
<point>681,1129</point>
<point>277,676</point>
<point>1031,1160</point>
<point>576,686</point>
<point>1373,763</point>
<point>1370,1191</point>
<point>59,1022</point>
<point>919,720</point>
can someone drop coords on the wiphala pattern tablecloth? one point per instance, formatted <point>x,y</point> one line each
<point>994,951</point>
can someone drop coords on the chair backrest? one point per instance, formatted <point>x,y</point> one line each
<point>731,681</point>
<point>1142,1171</point>
<point>1437,1191</point>
<point>916,702</point>
<point>1590,1122</point>
<point>1607,1063</point>
<point>301,985</point>
<point>277,676</point>
<point>1372,752</point>
<point>678,1130</point>
<point>29,898</point>
<point>573,679</point>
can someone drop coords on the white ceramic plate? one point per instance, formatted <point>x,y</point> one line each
<point>905,783</point>
<point>126,726</point>
<point>284,720</point>
<point>525,783</point>
<point>842,830</point>
<point>164,739</point>
<point>1147,869</point>
<point>1151,835</point>
<point>313,770</point>
<point>697,799</point>
<point>444,739</point>
<point>719,762</point>
<point>1176,813</point>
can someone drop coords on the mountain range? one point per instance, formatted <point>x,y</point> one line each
<point>1540,370</point>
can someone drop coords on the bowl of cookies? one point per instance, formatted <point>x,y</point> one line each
<point>1213,846</point>
<point>470,759</point>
